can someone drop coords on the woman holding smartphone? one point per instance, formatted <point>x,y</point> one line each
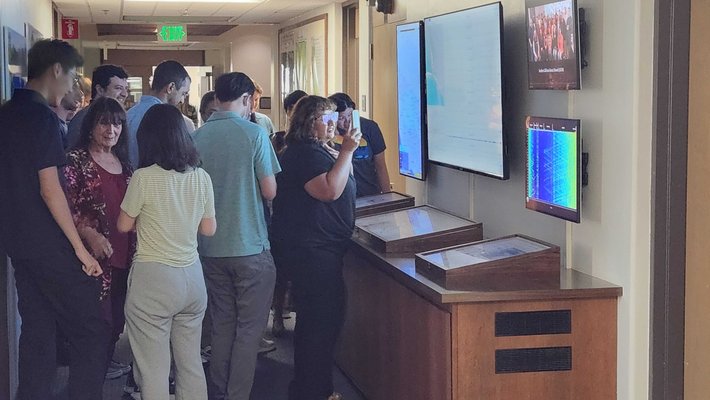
<point>168,201</point>
<point>314,217</point>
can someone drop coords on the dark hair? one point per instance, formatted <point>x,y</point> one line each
<point>342,101</point>
<point>102,76</point>
<point>163,139</point>
<point>168,72</point>
<point>293,98</point>
<point>105,110</point>
<point>232,86</point>
<point>48,52</point>
<point>304,116</point>
<point>206,99</point>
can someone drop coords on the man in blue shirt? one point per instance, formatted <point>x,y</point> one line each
<point>239,270</point>
<point>171,83</point>
<point>56,277</point>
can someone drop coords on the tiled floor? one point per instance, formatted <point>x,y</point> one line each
<point>273,373</point>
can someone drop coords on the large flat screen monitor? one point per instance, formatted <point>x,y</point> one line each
<point>464,87</point>
<point>553,184</point>
<point>410,100</point>
<point>553,45</point>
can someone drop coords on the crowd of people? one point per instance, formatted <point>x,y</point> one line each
<point>138,222</point>
<point>551,35</point>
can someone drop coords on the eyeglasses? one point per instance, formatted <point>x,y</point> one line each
<point>330,117</point>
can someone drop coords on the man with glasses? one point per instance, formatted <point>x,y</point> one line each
<point>56,276</point>
<point>239,270</point>
<point>108,80</point>
<point>369,159</point>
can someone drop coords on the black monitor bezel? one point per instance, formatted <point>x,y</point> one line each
<point>547,208</point>
<point>422,104</point>
<point>578,63</point>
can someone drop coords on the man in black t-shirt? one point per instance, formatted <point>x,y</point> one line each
<point>369,159</point>
<point>56,277</point>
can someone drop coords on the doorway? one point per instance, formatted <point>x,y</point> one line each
<point>351,53</point>
<point>697,281</point>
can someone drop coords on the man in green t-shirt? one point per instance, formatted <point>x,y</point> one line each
<point>239,270</point>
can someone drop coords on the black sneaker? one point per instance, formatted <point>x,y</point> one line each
<point>130,388</point>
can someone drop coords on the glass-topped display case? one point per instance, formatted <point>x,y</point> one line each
<point>416,229</point>
<point>510,262</point>
<point>379,203</point>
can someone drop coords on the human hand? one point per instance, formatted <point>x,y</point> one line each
<point>351,141</point>
<point>100,246</point>
<point>88,263</point>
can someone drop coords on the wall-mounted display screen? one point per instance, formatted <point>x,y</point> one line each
<point>464,90</point>
<point>410,100</point>
<point>553,45</point>
<point>553,184</point>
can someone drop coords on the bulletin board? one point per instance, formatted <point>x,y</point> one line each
<point>303,57</point>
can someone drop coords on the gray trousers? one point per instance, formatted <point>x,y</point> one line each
<point>164,308</point>
<point>240,291</point>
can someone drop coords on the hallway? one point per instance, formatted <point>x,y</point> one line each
<point>273,373</point>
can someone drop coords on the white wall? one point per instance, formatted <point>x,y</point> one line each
<point>613,240</point>
<point>15,13</point>
<point>252,52</point>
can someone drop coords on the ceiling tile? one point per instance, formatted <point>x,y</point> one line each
<point>138,8</point>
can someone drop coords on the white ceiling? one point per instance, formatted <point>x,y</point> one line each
<point>114,11</point>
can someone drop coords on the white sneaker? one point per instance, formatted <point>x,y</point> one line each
<point>266,346</point>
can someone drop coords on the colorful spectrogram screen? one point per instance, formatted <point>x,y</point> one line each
<point>553,162</point>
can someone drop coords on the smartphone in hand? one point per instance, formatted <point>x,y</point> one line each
<point>356,120</point>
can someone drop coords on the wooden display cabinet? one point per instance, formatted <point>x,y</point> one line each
<point>416,229</point>
<point>379,203</point>
<point>406,337</point>
<point>508,263</point>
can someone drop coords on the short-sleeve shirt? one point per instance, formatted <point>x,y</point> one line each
<point>237,154</point>
<point>264,121</point>
<point>134,116</point>
<point>74,128</point>
<point>300,219</point>
<point>30,141</point>
<point>371,144</point>
<point>168,207</point>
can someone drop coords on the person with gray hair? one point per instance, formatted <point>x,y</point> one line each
<point>238,265</point>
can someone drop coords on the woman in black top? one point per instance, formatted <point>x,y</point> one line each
<point>314,217</point>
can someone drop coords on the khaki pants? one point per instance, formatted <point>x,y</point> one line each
<point>164,307</point>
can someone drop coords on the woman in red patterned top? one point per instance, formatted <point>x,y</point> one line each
<point>97,175</point>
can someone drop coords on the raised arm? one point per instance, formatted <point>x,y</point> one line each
<point>330,185</point>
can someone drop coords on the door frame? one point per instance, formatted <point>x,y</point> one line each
<point>669,185</point>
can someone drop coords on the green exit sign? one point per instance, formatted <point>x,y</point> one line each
<point>172,33</point>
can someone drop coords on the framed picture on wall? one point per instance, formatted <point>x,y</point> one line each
<point>15,61</point>
<point>32,35</point>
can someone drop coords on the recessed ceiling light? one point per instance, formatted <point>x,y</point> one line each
<point>197,1</point>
